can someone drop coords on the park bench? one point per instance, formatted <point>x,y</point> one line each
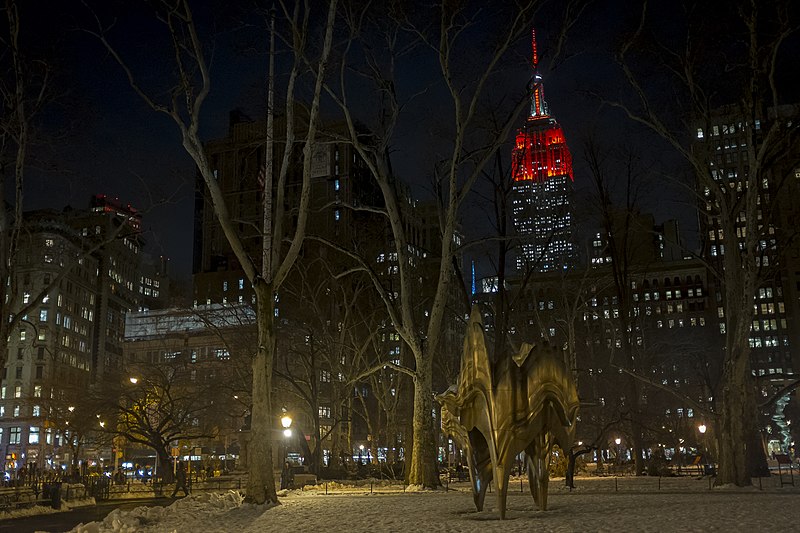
<point>301,480</point>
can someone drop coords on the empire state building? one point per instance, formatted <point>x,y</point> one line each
<point>542,190</point>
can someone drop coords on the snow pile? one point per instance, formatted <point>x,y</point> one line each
<point>36,510</point>
<point>67,505</point>
<point>27,511</point>
<point>193,513</point>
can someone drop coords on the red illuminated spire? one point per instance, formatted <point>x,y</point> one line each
<point>540,152</point>
<point>538,105</point>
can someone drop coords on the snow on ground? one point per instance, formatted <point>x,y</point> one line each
<point>37,510</point>
<point>682,506</point>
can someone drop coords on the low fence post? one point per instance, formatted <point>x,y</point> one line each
<point>616,488</point>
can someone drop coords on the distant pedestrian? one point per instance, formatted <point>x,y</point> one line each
<point>286,476</point>
<point>180,480</point>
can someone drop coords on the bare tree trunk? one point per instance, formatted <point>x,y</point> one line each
<point>261,480</point>
<point>422,470</point>
<point>737,402</point>
<point>164,464</point>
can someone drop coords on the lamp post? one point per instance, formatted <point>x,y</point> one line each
<point>702,429</point>
<point>618,441</point>
<point>286,422</point>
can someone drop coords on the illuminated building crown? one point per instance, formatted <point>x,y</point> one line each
<point>540,151</point>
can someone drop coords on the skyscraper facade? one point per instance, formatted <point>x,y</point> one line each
<point>724,140</point>
<point>542,190</point>
<point>74,279</point>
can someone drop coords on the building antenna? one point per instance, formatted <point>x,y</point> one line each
<point>538,105</point>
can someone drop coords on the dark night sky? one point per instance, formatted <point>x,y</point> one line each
<point>100,138</point>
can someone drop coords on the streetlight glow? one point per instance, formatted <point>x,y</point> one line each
<point>618,441</point>
<point>287,432</point>
<point>286,421</point>
<point>701,428</point>
<point>134,380</point>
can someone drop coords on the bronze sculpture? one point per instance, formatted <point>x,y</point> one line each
<point>527,402</point>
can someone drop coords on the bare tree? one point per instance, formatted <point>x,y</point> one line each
<point>71,415</point>
<point>23,91</point>
<point>736,204</point>
<point>329,322</point>
<point>184,108</point>
<point>161,404</point>
<point>469,148</point>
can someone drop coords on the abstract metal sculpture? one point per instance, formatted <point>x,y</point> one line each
<point>527,402</point>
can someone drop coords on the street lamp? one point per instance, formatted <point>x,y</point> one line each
<point>286,422</point>
<point>134,380</point>
<point>702,429</point>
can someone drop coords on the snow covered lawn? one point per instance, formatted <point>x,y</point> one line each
<point>453,511</point>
